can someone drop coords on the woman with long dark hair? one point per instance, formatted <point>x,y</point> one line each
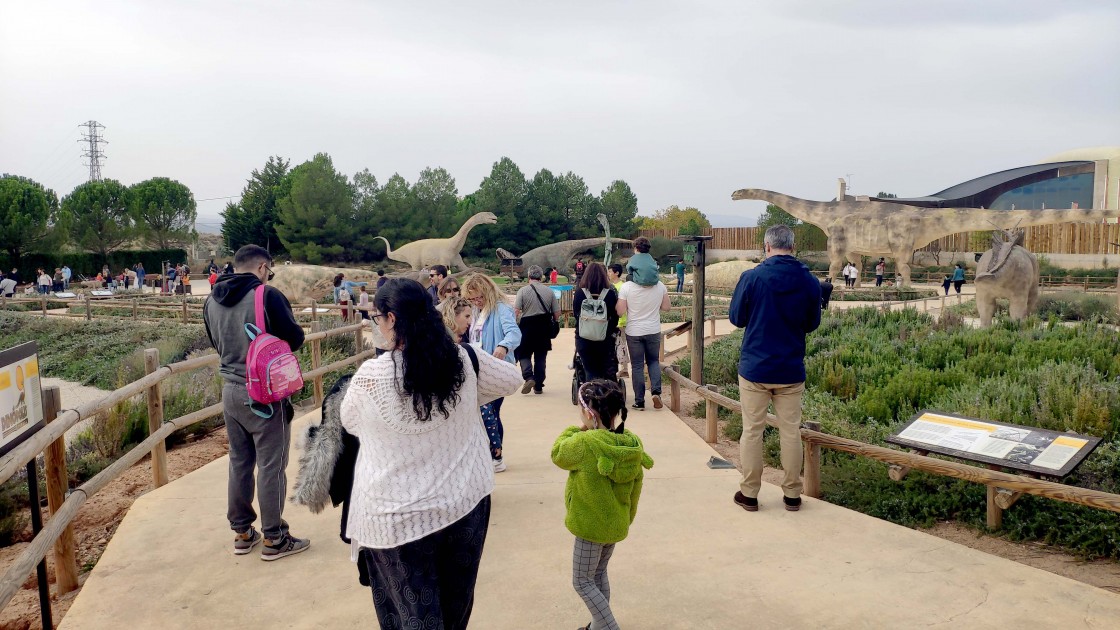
<point>420,504</point>
<point>598,356</point>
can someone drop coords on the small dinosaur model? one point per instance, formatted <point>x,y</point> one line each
<point>438,251</point>
<point>880,228</point>
<point>1006,271</point>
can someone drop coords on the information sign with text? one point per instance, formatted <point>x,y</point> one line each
<point>1010,445</point>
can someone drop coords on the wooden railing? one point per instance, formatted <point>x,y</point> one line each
<point>57,532</point>
<point>1003,489</point>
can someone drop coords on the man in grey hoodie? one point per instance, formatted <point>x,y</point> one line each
<point>254,442</point>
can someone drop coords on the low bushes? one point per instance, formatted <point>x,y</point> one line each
<point>869,371</point>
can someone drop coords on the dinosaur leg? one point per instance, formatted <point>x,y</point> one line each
<point>458,262</point>
<point>985,305</point>
<point>902,264</point>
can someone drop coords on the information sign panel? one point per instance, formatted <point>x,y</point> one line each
<point>21,398</point>
<point>1009,445</point>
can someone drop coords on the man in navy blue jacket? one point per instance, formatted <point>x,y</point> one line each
<point>778,302</point>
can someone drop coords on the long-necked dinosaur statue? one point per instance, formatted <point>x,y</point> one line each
<point>559,255</point>
<point>438,251</point>
<point>880,228</point>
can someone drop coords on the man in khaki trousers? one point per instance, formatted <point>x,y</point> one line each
<point>778,303</point>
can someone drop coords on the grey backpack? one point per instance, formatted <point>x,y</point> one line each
<point>593,316</point>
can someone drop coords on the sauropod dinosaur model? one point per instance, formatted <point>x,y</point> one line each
<point>881,228</point>
<point>438,251</point>
<point>559,255</point>
<point>1007,270</point>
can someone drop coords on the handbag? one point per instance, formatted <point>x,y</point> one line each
<point>553,325</point>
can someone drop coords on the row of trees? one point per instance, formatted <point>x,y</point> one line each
<point>97,216</point>
<point>315,213</point>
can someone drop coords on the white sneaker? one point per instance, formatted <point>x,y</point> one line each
<point>499,465</point>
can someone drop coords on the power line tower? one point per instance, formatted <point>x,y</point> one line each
<point>94,139</point>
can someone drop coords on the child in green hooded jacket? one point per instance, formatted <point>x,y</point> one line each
<point>602,491</point>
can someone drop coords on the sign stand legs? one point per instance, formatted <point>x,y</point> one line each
<point>37,526</point>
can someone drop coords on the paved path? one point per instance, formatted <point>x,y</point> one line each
<point>693,560</point>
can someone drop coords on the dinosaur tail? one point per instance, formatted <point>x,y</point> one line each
<point>388,248</point>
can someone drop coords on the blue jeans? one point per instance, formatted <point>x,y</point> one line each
<point>491,417</point>
<point>644,353</point>
<point>680,284</point>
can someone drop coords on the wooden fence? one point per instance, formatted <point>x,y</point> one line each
<point>58,532</point>
<point>1003,489</point>
<point>1057,238</point>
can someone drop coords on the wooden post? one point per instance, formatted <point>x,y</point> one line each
<point>314,312</point>
<point>135,308</point>
<point>155,420</point>
<point>185,310</point>
<point>65,560</point>
<point>697,335</point>
<point>661,350</point>
<point>359,340</point>
<point>43,301</point>
<point>813,464</point>
<point>995,512</point>
<point>317,359</point>
<point>85,298</point>
<point>712,322</point>
<point>674,391</point>
<point>711,415</point>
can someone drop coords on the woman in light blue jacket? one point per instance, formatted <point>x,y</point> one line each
<point>494,329</point>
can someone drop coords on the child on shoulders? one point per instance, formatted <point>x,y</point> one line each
<point>602,491</point>
<point>641,266</point>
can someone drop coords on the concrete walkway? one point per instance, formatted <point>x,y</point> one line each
<point>693,559</point>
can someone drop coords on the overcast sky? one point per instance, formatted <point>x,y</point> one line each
<point>686,101</point>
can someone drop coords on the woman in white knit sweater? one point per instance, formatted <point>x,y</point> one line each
<point>420,504</point>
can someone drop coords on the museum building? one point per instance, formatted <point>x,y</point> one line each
<point>1082,178</point>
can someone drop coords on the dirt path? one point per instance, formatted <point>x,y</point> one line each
<point>96,522</point>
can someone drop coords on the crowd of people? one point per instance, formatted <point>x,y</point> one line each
<point>426,414</point>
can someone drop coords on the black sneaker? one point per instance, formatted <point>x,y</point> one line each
<point>286,546</point>
<point>538,390</point>
<point>640,406</point>
<point>745,502</point>
<point>792,504</point>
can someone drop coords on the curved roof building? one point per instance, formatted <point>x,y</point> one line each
<point>1082,178</point>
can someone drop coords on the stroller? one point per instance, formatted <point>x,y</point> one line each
<point>579,376</point>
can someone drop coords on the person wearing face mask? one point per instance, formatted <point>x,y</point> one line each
<point>420,500</point>
<point>254,441</point>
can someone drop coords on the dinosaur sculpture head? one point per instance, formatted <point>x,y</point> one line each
<point>484,218</point>
<point>748,193</point>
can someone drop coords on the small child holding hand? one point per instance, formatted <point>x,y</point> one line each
<point>602,491</point>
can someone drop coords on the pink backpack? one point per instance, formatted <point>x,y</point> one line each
<point>271,370</point>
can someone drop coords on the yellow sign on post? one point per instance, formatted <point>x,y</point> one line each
<point>21,400</point>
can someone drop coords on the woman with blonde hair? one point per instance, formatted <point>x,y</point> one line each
<point>456,313</point>
<point>494,328</point>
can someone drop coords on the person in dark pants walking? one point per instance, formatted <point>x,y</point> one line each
<point>599,358</point>
<point>536,308</point>
<point>255,442</point>
<point>958,277</point>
